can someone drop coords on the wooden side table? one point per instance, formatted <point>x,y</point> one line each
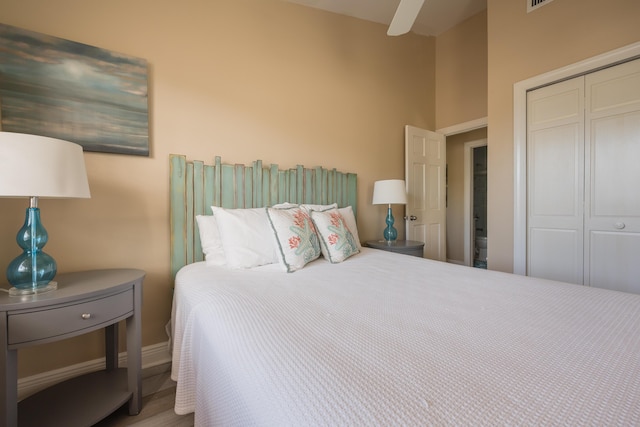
<point>84,302</point>
<point>406,247</point>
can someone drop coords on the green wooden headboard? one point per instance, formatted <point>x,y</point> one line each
<point>195,187</point>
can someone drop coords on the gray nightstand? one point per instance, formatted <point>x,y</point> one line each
<point>406,247</point>
<point>84,302</point>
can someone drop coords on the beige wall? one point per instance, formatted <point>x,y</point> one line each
<point>461,96</point>
<point>461,72</point>
<point>523,45</point>
<point>243,79</point>
<point>455,192</point>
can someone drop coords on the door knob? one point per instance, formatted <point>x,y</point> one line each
<point>411,218</point>
<point>619,225</point>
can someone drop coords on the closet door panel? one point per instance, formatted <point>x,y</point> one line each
<point>613,262</point>
<point>614,90</point>
<point>556,254</point>
<point>615,167</point>
<point>554,156</point>
<point>555,177</point>
<point>612,177</point>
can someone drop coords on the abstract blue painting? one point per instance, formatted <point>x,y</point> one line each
<point>72,91</point>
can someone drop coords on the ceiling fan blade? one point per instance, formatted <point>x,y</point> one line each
<point>405,16</point>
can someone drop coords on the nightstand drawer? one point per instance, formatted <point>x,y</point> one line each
<point>47,324</point>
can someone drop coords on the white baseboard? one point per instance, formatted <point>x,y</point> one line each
<point>455,261</point>
<point>152,355</point>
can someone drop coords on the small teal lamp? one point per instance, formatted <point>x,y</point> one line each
<point>37,166</point>
<point>390,192</point>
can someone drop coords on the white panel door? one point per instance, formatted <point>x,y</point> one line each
<point>612,184</point>
<point>583,176</point>
<point>425,165</point>
<point>555,177</point>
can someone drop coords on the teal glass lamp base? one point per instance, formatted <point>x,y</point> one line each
<point>390,233</point>
<point>32,271</point>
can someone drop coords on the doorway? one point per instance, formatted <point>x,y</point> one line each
<point>460,249</point>
<point>475,203</point>
<point>479,196</point>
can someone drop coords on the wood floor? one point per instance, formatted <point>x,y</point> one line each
<point>158,396</point>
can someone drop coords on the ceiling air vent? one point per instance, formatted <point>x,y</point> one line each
<point>534,4</point>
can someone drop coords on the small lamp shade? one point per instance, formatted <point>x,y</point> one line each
<point>390,192</point>
<point>36,166</point>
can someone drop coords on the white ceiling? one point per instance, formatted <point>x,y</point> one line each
<point>436,16</point>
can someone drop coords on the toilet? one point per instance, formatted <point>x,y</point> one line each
<point>481,249</point>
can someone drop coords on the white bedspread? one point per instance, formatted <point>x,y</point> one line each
<point>388,339</point>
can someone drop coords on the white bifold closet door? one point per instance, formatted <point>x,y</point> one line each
<point>583,179</point>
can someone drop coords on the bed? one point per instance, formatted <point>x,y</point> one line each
<point>379,338</point>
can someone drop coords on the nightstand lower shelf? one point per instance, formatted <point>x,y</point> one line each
<point>68,404</point>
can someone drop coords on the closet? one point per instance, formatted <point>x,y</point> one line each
<point>583,179</point>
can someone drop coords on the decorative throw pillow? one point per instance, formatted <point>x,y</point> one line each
<point>246,237</point>
<point>310,208</point>
<point>336,240</point>
<point>347,214</point>
<point>210,240</point>
<point>295,235</point>
<point>284,205</point>
<point>350,221</point>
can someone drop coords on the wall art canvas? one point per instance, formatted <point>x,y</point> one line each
<point>63,89</point>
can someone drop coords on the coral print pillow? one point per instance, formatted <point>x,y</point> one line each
<point>336,240</point>
<point>297,243</point>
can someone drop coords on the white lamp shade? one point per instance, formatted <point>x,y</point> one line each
<point>39,166</point>
<point>389,192</point>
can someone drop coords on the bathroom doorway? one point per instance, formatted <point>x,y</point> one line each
<point>476,203</point>
<point>480,206</point>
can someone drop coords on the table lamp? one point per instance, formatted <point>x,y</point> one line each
<point>36,166</point>
<point>388,192</point>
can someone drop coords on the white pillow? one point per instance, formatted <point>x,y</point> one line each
<point>295,235</point>
<point>246,237</point>
<point>210,240</point>
<point>336,240</point>
<point>350,221</point>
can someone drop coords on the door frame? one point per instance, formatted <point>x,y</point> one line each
<point>469,244</point>
<point>520,90</point>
